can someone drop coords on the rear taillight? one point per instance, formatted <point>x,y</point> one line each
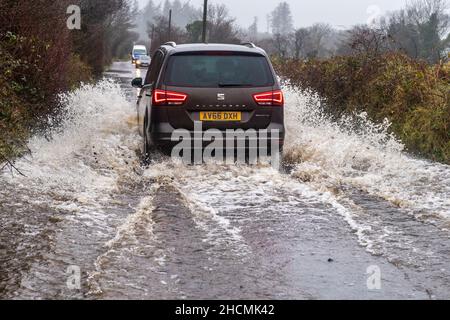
<point>163,97</point>
<point>270,98</point>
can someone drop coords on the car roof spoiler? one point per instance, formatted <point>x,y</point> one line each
<point>249,44</point>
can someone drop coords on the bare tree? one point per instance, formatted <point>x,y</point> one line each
<point>281,44</point>
<point>420,30</point>
<point>159,33</point>
<point>147,16</point>
<point>221,27</point>
<point>281,19</point>
<point>253,30</point>
<point>365,40</point>
<point>300,42</point>
<point>421,11</point>
<point>317,34</point>
<point>119,36</point>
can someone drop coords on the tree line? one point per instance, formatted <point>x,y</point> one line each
<point>187,25</point>
<point>420,30</point>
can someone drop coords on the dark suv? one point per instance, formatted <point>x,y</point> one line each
<point>220,86</point>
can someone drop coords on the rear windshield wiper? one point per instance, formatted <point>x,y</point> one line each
<point>224,85</point>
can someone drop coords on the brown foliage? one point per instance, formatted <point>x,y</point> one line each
<point>35,33</point>
<point>414,96</point>
<point>36,64</point>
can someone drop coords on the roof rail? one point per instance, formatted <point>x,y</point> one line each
<point>170,43</point>
<point>248,44</point>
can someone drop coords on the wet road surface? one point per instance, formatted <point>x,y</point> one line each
<point>348,200</point>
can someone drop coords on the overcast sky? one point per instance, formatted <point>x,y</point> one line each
<point>338,13</point>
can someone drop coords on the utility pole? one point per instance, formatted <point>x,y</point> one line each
<point>170,24</point>
<point>205,18</point>
<point>152,38</point>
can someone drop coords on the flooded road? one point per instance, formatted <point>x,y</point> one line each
<point>348,201</point>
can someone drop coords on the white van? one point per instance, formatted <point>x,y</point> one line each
<point>138,50</point>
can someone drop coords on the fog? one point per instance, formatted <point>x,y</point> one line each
<point>340,14</point>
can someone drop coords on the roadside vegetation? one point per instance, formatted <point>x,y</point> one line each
<point>395,69</point>
<point>40,58</point>
<point>412,95</point>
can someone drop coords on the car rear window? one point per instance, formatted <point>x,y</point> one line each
<point>218,70</point>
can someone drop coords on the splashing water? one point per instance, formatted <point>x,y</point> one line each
<point>354,151</point>
<point>88,153</point>
<point>96,145</point>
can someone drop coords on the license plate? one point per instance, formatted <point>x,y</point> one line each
<point>220,116</point>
